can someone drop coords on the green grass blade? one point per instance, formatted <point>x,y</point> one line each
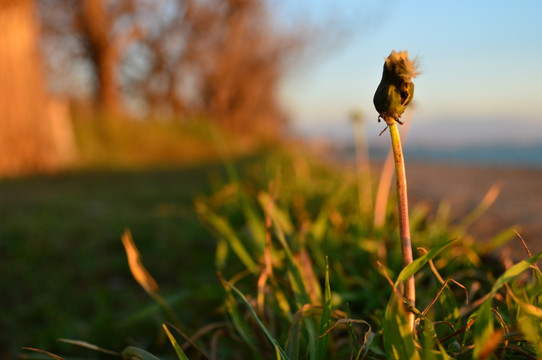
<point>277,352</point>
<point>449,305</point>
<point>279,217</point>
<point>294,336</point>
<point>488,200</point>
<point>530,309</point>
<point>180,353</point>
<point>300,292</point>
<point>429,344</point>
<point>269,337</point>
<point>255,224</point>
<point>368,335</point>
<point>532,328</point>
<point>239,322</point>
<point>398,341</point>
<point>224,230</point>
<point>483,328</point>
<point>352,333</point>
<point>514,271</point>
<point>499,240</point>
<point>420,262</point>
<point>320,225</point>
<point>325,321</point>
<point>254,221</point>
<point>530,322</point>
<point>430,341</point>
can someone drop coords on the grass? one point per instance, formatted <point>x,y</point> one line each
<point>314,216</point>
<point>111,142</point>
<point>64,274</point>
<point>286,268</point>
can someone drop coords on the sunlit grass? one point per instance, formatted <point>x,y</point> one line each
<point>296,272</point>
<point>110,142</point>
<point>454,274</point>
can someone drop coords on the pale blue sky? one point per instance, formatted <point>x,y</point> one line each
<point>480,60</point>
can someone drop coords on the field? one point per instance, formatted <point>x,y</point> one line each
<point>64,272</point>
<point>277,237</point>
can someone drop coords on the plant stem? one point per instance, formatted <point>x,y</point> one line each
<point>409,286</point>
<point>384,183</point>
<point>365,195</point>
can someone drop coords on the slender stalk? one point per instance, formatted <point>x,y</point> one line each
<point>391,99</point>
<point>365,194</point>
<point>382,192</point>
<point>384,183</point>
<point>409,286</point>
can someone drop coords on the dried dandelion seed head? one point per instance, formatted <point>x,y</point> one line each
<point>396,89</point>
<point>401,66</point>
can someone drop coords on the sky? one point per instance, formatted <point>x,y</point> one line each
<point>480,62</point>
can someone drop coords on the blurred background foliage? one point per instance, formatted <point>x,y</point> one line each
<point>92,85</point>
<point>141,69</point>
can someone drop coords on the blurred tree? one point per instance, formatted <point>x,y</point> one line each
<point>97,23</point>
<point>217,58</point>
<point>26,132</point>
<point>85,43</point>
<point>240,77</point>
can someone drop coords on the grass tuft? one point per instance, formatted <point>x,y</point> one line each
<point>301,277</point>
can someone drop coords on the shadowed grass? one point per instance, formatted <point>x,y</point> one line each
<point>62,276</point>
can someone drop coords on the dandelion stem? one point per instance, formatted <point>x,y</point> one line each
<point>404,226</point>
